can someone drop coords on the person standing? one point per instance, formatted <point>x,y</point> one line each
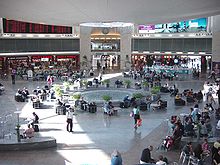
<point>218,94</point>
<point>36,118</point>
<point>13,73</point>
<point>69,126</point>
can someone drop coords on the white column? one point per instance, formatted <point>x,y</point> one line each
<point>1,26</point>
<point>216,44</point>
<point>85,47</point>
<point>125,48</point>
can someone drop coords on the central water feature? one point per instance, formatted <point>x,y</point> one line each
<point>96,95</point>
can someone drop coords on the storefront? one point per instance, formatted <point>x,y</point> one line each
<point>198,62</point>
<point>106,60</point>
<point>1,65</point>
<point>42,63</point>
<point>20,64</point>
<point>68,62</point>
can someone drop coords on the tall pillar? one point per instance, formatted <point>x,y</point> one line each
<point>125,47</point>
<point>216,44</point>
<point>85,48</point>
<point>1,26</point>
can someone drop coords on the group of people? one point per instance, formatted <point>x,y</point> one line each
<point>201,151</point>
<point>23,94</point>
<point>32,127</point>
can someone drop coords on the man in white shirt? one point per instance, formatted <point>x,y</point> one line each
<point>69,126</point>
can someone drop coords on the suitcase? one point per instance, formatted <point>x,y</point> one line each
<point>36,128</point>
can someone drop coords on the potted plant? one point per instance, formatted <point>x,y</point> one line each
<point>106,82</point>
<point>154,91</point>
<point>66,86</point>
<point>145,85</point>
<point>76,97</point>
<point>107,98</point>
<point>58,91</point>
<point>128,83</point>
<point>138,97</point>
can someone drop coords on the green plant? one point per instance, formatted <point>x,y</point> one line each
<point>66,85</point>
<point>128,82</point>
<point>58,90</point>
<point>106,98</point>
<point>138,95</point>
<point>145,84</point>
<point>155,90</point>
<point>76,96</point>
<point>106,81</point>
<point>85,82</point>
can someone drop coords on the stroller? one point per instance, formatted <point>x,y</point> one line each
<point>166,143</point>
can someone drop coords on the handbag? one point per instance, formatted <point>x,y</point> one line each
<point>132,114</point>
<point>139,122</point>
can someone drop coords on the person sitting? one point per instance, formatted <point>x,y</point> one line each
<point>187,149</point>
<point>59,102</point>
<point>177,134</point>
<point>203,130</point>
<point>216,157</point>
<point>199,96</point>
<point>178,100</point>
<point>126,98</point>
<point>189,128</point>
<point>146,156</point>
<point>162,160</point>
<point>19,96</point>
<point>205,147</point>
<point>25,93</point>
<point>116,158</point>
<point>29,132</point>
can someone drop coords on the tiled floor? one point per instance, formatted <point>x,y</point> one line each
<point>95,136</point>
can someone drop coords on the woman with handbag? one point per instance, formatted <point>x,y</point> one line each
<point>136,116</point>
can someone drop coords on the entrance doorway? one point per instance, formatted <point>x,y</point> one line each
<point>107,61</point>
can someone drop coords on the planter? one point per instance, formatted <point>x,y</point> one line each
<point>128,86</point>
<point>107,85</point>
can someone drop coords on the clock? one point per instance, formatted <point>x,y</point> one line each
<point>105,30</point>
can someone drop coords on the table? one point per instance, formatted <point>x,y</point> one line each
<point>115,110</point>
<point>154,106</point>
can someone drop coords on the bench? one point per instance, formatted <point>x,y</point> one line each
<point>34,143</point>
<point>185,140</point>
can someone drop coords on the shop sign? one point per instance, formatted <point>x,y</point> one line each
<point>63,57</point>
<point>17,58</point>
<point>40,57</point>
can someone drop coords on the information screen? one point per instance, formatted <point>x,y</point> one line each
<point>13,26</point>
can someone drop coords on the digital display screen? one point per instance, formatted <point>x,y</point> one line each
<point>195,25</point>
<point>13,26</point>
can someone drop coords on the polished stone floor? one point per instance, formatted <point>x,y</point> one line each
<point>95,136</point>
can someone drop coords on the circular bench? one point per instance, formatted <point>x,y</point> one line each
<point>34,143</point>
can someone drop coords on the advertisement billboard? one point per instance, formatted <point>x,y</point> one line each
<point>195,25</point>
<point>146,28</point>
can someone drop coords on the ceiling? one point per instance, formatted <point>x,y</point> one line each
<point>74,12</point>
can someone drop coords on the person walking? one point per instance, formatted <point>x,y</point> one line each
<point>69,126</point>
<point>136,113</point>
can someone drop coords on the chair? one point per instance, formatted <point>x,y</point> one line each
<point>183,157</point>
<point>193,161</point>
